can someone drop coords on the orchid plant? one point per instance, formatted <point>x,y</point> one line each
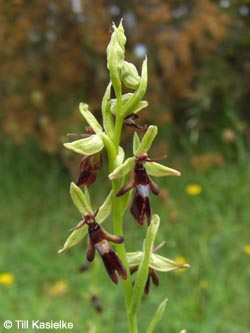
<point>127,176</point>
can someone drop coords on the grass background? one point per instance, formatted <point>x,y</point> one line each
<point>209,230</point>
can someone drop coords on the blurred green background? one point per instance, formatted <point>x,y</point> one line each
<point>53,56</point>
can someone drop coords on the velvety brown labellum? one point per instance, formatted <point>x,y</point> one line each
<point>99,240</point>
<point>89,167</point>
<point>140,180</point>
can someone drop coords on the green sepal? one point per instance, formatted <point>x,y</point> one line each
<point>115,56</point>
<point>163,264</point>
<point>122,169</point>
<point>75,237</point>
<point>134,258</point>
<point>86,146</point>
<point>129,75</point>
<point>147,140</point>
<point>139,93</point>
<point>105,209</point>
<point>156,262</point>
<point>142,273</point>
<point>138,107</point>
<point>158,170</point>
<point>90,118</point>
<point>157,316</point>
<point>136,142</point>
<point>79,199</point>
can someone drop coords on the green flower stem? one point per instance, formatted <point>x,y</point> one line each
<point>119,206</point>
<point>118,121</point>
<point>118,209</point>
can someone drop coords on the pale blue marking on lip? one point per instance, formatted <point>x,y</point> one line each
<point>143,190</point>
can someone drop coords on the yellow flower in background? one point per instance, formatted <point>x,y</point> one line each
<point>7,279</point>
<point>60,287</point>
<point>204,284</point>
<point>180,260</point>
<point>193,189</point>
<point>246,249</point>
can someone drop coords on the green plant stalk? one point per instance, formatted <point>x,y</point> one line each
<point>119,206</point>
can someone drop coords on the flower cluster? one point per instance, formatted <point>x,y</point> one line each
<point>126,175</point>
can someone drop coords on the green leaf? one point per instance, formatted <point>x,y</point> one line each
<point>122,169</point>
<point>157,316</point>
<point>75,237</point>
<point>147,140</point>
<point>87,146</point>
<point>142,273</point>
<point>79,199</point>
<point>90,118</point>
<point>159,170</point>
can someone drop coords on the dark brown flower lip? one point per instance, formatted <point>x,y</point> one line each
<point>99,240</point>
<point>140,180</point>
<point>89,167</point>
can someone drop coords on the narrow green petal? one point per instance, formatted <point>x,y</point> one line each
<point>158,170</point>
<point>86,146</point>
<point>123,169</point>
<point>147,140</point>
<point>79,199</point>
<point>162,264</point>
<point>157,316</point>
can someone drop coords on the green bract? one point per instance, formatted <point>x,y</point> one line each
<point>142,273</point>
<point>157,316</point>
<point>131,104</point>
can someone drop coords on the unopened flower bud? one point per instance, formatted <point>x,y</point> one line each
<point>129,75</point>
